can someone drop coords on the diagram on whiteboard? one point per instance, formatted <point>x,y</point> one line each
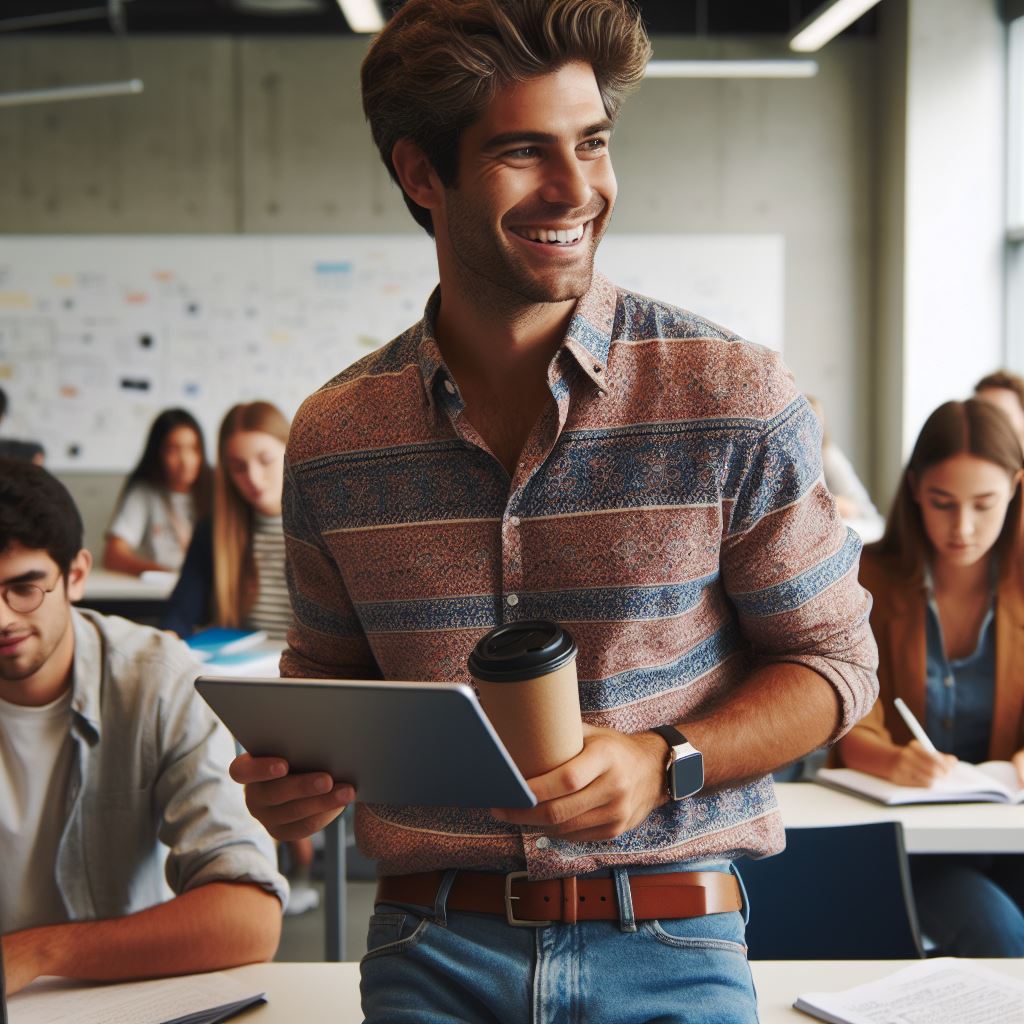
<point>98,334</point>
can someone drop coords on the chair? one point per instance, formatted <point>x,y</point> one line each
<point>835,893</point>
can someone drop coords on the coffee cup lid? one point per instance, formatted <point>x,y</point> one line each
<point>521,650</point>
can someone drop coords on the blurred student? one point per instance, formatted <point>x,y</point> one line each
<point>948,616</point>
<point>16,448</point>
<point>233,573</point>
<point>162,499</point>
<point>1004,390</point>
<point>851,496</point>
<point>109,764</point>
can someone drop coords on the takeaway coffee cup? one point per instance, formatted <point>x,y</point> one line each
<point>526,676</point>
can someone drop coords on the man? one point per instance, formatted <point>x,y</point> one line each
<point>1004,390</point>
<point>11,448</point>
<point>105,754</point>
<point>544,445</point>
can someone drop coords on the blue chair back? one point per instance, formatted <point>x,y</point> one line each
<point>834,893</point>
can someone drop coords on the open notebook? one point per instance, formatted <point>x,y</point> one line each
<point>993,782</point>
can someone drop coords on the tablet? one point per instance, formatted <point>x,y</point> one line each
<point>398,743</point>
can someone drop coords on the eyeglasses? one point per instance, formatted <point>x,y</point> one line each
<point>25,597</point>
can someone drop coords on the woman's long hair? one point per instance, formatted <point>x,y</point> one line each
<point>974,428</point>
<point>235,585</point>
<point>150,467</point>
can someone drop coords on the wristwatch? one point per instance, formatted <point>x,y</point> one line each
<point>684,771</point>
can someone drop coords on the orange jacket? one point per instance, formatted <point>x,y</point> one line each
<point>898,622</point>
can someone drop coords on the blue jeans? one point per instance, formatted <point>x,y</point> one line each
<point>432,966</point>
<point>971,906</point>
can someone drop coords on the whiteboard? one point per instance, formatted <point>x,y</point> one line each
<point>99,333</point>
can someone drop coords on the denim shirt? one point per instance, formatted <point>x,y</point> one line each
<point>959,694</point>
<point>149,767</point>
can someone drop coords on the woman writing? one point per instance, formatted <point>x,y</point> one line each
<point>163,497</point>
<point>948,616</point>
<point>234,572</point>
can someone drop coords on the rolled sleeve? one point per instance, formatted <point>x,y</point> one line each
<point>789,566</point>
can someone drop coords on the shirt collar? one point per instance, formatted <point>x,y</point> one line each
<point>86,673</point>
<point>588,338</point>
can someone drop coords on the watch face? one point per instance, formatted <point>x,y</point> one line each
<point>687,775</point>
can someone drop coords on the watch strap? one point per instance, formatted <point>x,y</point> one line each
<point>670,734</point>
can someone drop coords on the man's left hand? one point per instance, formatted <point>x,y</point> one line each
<point>611,786</point>
<point>21,959</point>
<point>1018,762</point>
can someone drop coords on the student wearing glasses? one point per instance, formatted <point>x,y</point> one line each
<point>106,759</point>
<point>948,616</point>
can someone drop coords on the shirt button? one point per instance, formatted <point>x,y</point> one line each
<point>948,680</point>
<point>513,520</point>
<point>543,843</point>
<point>449,387</point>
<point>947,723</point>
<point>512,600</point>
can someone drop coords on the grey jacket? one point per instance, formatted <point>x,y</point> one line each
<point>149,768</point>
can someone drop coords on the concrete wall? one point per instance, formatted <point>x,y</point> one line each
<point>265,135</point>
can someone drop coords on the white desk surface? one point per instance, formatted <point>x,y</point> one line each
<point>329,993</point>
<point>104,585</point>
<point>927,828</point>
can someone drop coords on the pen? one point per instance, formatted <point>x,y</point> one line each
<point>914,726</point>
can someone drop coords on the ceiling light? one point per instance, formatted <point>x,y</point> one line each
<point>70,92</point>
<point>826,23</point>
<point>785,68</point>
<point>362,15</point>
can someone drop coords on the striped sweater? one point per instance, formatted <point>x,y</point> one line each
<point>668,508</point>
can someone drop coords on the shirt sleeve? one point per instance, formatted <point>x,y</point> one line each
<point>789,566</point>
<point>202,814</point>
<point>326,639</point>
<point>130,521</point>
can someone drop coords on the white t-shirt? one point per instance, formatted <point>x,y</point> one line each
<point>35,765</point>
<point>157,524</point>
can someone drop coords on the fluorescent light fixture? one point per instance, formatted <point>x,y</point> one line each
<point>71,92</point>
<point>362,15</point>
<point>758,68</point>
<point>826,23</point>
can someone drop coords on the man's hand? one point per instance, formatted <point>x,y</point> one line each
<point>289,806</point>
<point>611,786</point>
<point>915,766</point>
<point>23,960</point>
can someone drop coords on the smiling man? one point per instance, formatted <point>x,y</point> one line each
<point>543,444</point>
<point>105,755</point>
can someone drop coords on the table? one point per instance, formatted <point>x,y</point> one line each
<point>119,593</point>
<point>927,828</point>
<point>329,993</point>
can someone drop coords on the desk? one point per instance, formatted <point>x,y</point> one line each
<point>329,993</point>
<point>119,593</point>
<point>927,828</point>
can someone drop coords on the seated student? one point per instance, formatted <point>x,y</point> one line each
<point>162,499</point>
<point>1006,391</point>
<point>14,448</point>
<point>233,574</point>
<point>107,756</point>
<point>948,616</point>
<point>851,496</point>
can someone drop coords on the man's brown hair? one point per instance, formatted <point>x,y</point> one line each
<point>437,64</point>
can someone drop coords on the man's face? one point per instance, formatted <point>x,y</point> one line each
<point>535,189</point>
<point>36,646</point>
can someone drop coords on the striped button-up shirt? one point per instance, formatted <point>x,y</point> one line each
<point>668,509</point>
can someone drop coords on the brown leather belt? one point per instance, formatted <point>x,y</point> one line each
<point>568,900</point>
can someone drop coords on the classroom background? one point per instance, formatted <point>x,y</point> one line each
<point>880,196</point>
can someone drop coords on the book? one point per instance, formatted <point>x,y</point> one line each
<point>940,991</point>
<point>993,782</point>
<point>192,999</point>
<point>219,641</point>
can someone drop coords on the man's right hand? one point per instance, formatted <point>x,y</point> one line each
<point>289,806</point>
<point>915,766</point>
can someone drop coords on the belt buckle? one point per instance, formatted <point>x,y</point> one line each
<point>511,877</point>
